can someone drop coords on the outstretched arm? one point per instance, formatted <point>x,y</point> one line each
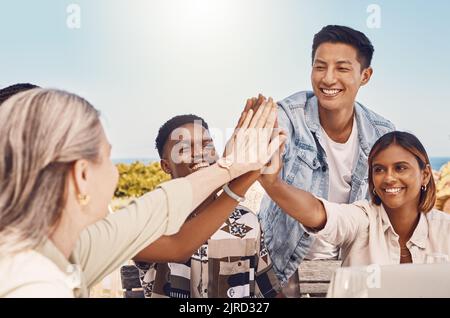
<point>180,246</point>
<point>245,143</point>
<point>299,204</point>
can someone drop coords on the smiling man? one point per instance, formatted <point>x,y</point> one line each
<point>233,262</point>
<point>329,139</point>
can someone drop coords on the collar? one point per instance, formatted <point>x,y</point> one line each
<point>69,267</point>
<point>386,223</point>
<point>313,122</point>
<point>420,234</point>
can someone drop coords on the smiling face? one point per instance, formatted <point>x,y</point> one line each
<point>397,178</point>
<point>337,75</point>
<point>188,149</point>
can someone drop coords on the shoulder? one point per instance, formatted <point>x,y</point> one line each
<point>29,263</point>
<point>292,111</point>
<point>27,272</point>
<point>362,207</point>
<point>371,211</point>
<point>298,99</point>
<point>379,121</point>
<point>439,230</point>
<point>362,211</point>
<point>438,218</point>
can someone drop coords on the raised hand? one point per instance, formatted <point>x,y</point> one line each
<point>251,104</point>
<point>270,173</point>
<point>252,146</point>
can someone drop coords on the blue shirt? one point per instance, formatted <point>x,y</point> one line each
<point>305,167</point>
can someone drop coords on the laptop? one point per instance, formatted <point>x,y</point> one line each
<point>392,281</point>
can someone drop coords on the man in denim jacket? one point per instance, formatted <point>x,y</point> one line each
<point>329,139</point>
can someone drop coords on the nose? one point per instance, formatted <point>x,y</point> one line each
<point>329,78</point>
<point>390,177</point>
<point>197,154</point>
<point>197,158</point>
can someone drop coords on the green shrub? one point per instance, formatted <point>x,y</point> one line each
<point>137,178</point>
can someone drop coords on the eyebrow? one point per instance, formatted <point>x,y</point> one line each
<point>344,62</point>
<point>319,61</point>
<point>395,163</point>
<point>338,62</point>
<point>191,142</point>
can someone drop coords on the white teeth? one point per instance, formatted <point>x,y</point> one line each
<point>200,165</point>
<point>392,190</point>
<point>330,91</point>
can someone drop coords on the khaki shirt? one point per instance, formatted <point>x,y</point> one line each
<point>366,235</point>
<point>107,244</point>
<point>30,274</point>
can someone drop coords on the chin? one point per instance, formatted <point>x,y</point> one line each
<point>329,104</point>
<point>392,205</point>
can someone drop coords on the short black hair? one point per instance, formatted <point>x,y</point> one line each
<point>172,124</point>
<point>9,91</point>
<point>346,35</point>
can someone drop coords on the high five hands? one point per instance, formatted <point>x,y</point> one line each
<point>257,129</point>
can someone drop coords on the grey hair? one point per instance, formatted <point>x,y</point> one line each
<point>42,133</point>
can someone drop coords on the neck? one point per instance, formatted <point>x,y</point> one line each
<point>338,124</point>
<point>404,221</point>
<point>65,236</point>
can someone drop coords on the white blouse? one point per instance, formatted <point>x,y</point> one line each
<point>365,234</point>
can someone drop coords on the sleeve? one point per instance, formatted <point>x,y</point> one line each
<point>344,222</point>
<point>109,243</point>
<point>285,123</point>
<point>267,284</point>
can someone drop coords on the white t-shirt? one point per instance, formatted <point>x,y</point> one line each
<point>341,160</point>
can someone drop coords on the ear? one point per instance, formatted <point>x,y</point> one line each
<point>80,176</point>
<point>366,75</point>
<point>426,175</point>
<point>165,166</point>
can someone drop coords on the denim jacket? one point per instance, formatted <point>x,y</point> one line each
<point>305,167</point>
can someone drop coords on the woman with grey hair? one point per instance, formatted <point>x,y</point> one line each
<point>57,178</point>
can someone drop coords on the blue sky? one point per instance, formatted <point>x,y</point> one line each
<point>142,62</point>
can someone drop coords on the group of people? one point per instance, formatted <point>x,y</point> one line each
<point>340,183</point>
